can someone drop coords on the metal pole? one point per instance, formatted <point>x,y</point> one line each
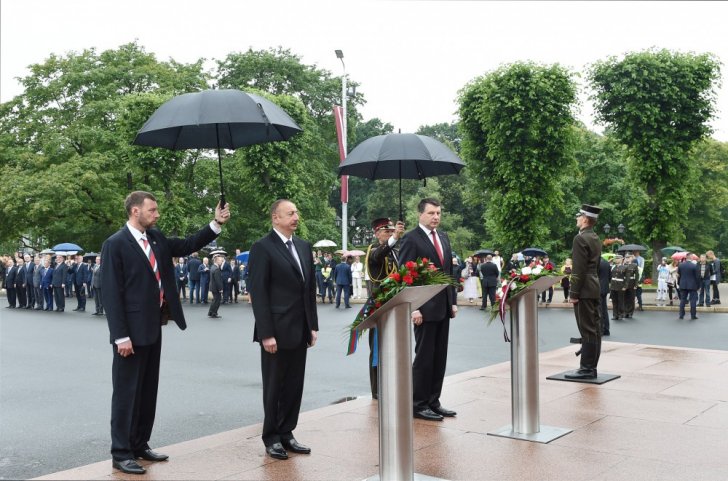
<point>396,435</point>
<point>524,364</point>
<point>344,205</point>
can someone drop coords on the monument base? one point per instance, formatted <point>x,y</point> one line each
<point>600,379</point>
<point>416,477</point>
<point>544,436</point>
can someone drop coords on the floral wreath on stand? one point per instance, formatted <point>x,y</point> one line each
<point>413,273</point>
<point>514,282</point>
<point>614,242</point>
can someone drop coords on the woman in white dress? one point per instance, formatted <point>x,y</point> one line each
<point>470,283</point>
<point>357,274</point>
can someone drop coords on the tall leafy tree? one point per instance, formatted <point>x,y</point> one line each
<point>658,104</point>
<point>517,137</point>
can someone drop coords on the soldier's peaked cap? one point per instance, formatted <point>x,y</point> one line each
<point>589,211</point>
<point>382,223</point>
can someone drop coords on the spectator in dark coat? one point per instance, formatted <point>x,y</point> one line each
<point>689,281</point>
<point>343,278</point>
<point>605,276</point>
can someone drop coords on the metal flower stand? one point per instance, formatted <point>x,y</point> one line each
<point>396,435</point>
<point>525,422</point>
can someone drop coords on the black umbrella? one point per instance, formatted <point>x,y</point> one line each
<point>216,119</point>
<point>631,247</point>
<point>533,252</point>
<point>90,255</point>
<point>483,253</point>
<point>400,156</point>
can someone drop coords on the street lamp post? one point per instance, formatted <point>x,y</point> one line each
<point>344,204</point>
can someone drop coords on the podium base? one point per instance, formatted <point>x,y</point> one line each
<point>600,379</point>
<point>544,436</point>
<point>416,477</point>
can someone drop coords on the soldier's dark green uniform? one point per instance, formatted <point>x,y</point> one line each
<point>616,288</point>
<point>631,277</point>
<point>585,254</point>
<point>381,260</point>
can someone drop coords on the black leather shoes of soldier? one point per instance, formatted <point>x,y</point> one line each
<point>295,446</point>
<point>150,455</point>
<point>276,451</point>
<point>582,374</point>
<point>443,412</point>
<point>128,466</point>
<point>428,414</point>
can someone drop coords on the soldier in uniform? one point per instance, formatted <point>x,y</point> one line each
<point>584,294</point>
<point>631,277</point>
<point>616,288</point>
<point>381,260</point>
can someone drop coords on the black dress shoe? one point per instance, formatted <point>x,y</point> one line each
<point>443,412</point>
<point>582,373</point>
<point>693,318</point>
<point>150,455</point>
<point>295,446</point>
<point>215,316</point>
<point>428,414</point>
<point>605,333</point>
<point>276,451</point>
<point>128,466</point>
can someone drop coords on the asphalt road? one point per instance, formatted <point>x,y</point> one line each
<point>55,373</point>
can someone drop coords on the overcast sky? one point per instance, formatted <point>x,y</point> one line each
<point>411,58</point>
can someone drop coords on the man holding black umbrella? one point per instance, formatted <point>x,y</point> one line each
<point>139,293</point>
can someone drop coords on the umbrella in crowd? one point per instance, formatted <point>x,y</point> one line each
<point>483,253</point>
<point>355,252</point>
<point>400,156</point>
<point>66,246</point>
<point>47,251</point>
<point>243,256</point>
<point>668,251</point>
<point>90,255</point>
<point>678,256</point>
<point>632,248</point>
<point>533,252</point>
<point>325,243</point>
<point>216,119</point>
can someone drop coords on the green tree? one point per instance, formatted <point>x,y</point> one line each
<point>516,125</point>
<point>657,103</point>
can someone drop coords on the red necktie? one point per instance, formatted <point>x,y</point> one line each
<point>153,261</point>
<point>438,249</point>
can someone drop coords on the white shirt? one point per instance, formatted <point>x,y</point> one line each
<point>294,250</point>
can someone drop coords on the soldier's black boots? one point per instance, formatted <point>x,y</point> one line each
<point>588,369</point>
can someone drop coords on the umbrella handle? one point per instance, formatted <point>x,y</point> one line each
<point>222,201</point>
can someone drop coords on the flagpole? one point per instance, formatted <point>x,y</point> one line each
<point>344,178</point>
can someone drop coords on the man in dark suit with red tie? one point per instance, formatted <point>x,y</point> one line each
<point>282,286</point>
<point>432,320</point>
<point>139,293</point>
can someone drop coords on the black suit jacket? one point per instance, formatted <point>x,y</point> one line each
<point>129,286</point>
<point>284,303</point>
<point>216,284</point>
<point>605,275</point>
<point>81,274</point>
<point>20,277</point>
<point>59,275</point>
<point>415,244</point>
<point>490,274</point>
<point>10,277</point>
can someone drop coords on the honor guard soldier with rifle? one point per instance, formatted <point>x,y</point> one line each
<point>617,288</point>
<point>631,277</point>
<point>380,261</point>
<point>585,291</point>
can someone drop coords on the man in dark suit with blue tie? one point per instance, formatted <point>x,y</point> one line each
<point>343,279</point>
<point>689,282</point>
<point>282,286</point>
<point>139,292</point>
<point>432,319</point>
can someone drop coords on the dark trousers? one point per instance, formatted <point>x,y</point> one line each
<point>204,289</point>
<point>194,291</point>
<point>283,374</point>
<point>692,296</point>
<point>618,304</point>
<point>320,284</point>
<point>488,294</point>
<point>216,297</point>
<point>551,295</point>
<point>69,290</point>
<point>227,288</point>
<point>428,368</point>
<point>566,285</point>
<point>629,296</point>
<point>236,290</point>
<point>638,296</point>
<point>12,297</point>
<point>20,292</point>
<point>38,294</point>
<point>81,297</point>
<point>346,290</point>
<point>704,297</point>
<point>604,313</point>
<point>588,321</point>
<point>58,293</point>
<point>30,295</point>
<point>48,295</point>
<point>182,288</point>
<point>135,382</point>
<point>98,300</point>
<point>716,293</point>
